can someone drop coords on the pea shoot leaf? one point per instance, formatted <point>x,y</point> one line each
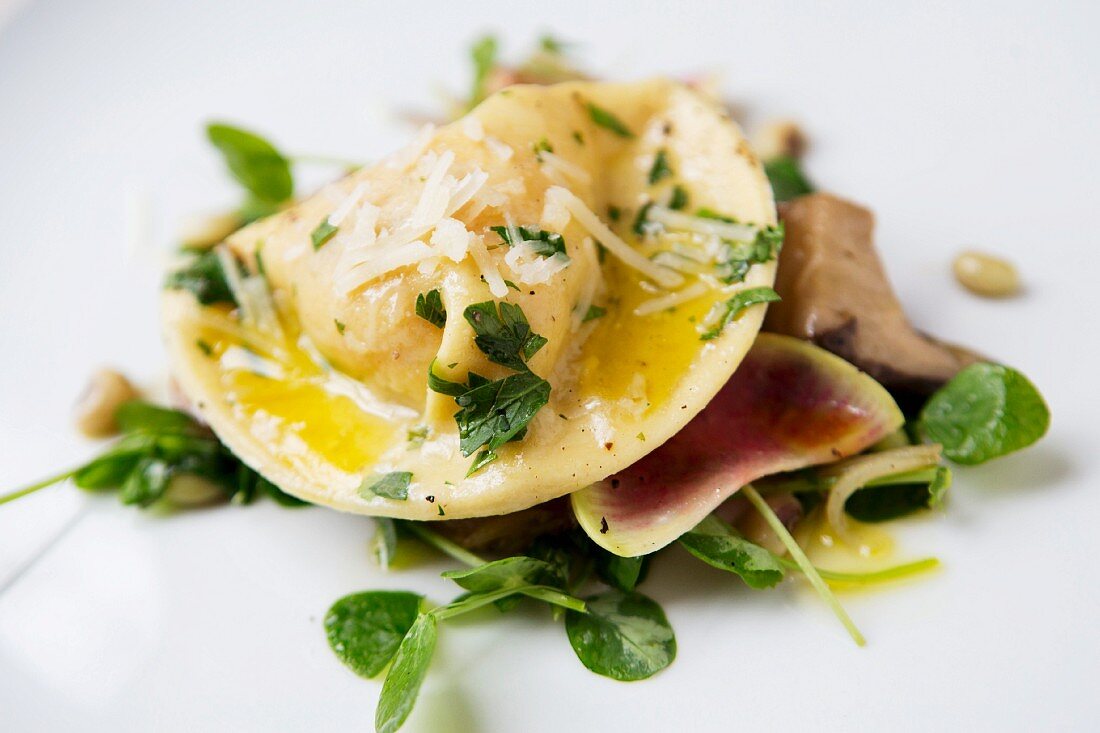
<point>718,545</point>
<point>254,162</point>
<point>787,179</point>
<point>625,636</point>
<point>403,681</point>
<point>366,629</point>
<point>986,411</point>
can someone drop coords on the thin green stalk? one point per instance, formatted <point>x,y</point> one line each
<point>878,576</point>
<point>35,487</point>
<point>804,564</point>
<point>541,592</point>
<point>825,483</point>
<point>443,544</point>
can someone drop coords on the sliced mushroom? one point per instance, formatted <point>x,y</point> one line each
<point>836,294</point>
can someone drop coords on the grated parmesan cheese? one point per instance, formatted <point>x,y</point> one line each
<point>591,286</point>
<point>611,241</point>
<point>702,225</point>
<point>488,268</point>
<point>556,168</point>
<point>406,156</point>
<point>472,128</point>
<point>530,267</point>
<point>500,149</point>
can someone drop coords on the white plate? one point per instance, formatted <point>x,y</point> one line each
<point>959,126</point>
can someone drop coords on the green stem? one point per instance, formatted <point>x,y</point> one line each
<point>35,487</point>
<point>541,592</point>
<point>443,544</point>
<point>825,483</point>
<point>878,576</point>
<point>803,562</point>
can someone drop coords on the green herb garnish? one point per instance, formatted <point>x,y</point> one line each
<point>157,445</point>
<point>429,306</point>
<point>204,278</point>
<point>496,412</point>
<point>731,310</point>
<point>718,545</point>
<point>594,312</point>
<point>787,179</point>
<point>625,636</point>
<point>393,485</point>
<point>986,411</point>
<point>365,629</point>
<point>660,168</point>
<point>546,244</point>
<point>605,119</point>
<point>257,165</point>
<point>322,233</point>
<point>484,55</point>
<point>679,199</point>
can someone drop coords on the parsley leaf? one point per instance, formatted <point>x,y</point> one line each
<point>429,306</point>
<point>679,199</point>
<point>393,485</point>
<point>255,163</point>
<point>660,169</point>
<point>322,233</point>
<point>731,309</point>
<point>594,312</point>
<point>985,411</point>
<point>506,338</point>
<point>204,278</point>
<point>543,242</point>
<point>607,120</point>
<point>495,413</point>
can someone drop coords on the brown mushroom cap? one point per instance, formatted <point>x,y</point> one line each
<point>836,294</point>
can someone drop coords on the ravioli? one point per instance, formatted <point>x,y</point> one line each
<point>619,219</point>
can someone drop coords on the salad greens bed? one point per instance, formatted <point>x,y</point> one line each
<point>986,411</point>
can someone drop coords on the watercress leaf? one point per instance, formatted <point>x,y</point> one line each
<point>504,338</point>
<point>495,413</point>
<point>731,309</point>
<point>624,636</point>
<point>392,485</point>
<point>509,572</point>
<point>622,573</point>
<point>985,411</point>
<point>204,278</point>
<point>365,629</point>
<point>146,482</point>
<point>718,545</point>
<point>607,120</point>
<point>429,306</point>
<point>787,179</point>
<point>254,162</point>
<point>410,665</point>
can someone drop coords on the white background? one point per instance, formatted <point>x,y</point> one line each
<point>959,125</point>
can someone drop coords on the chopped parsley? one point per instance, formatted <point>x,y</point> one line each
<point>204,278</point>
<point>594,312</point>
<point>416,436</point>
<point>607,120</point>
<point>393,485</point>
<point>578,137</point>
<point>546,244</point>
<point>660,169</point>
<point>614,213</point>
<point>322,233</point>
<point>495,412</point>
<point>738,257</point>
<point>429,306</point>
<point>641,219</point>
<point>542,146</point>
<point>205,347</point>
<point>340,326</point>
<point>729,311</point>
<point>679,200</point>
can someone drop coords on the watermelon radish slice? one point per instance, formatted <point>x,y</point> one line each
<point>789,405</point>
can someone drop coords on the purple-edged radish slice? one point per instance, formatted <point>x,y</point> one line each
<point>789,405</point>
